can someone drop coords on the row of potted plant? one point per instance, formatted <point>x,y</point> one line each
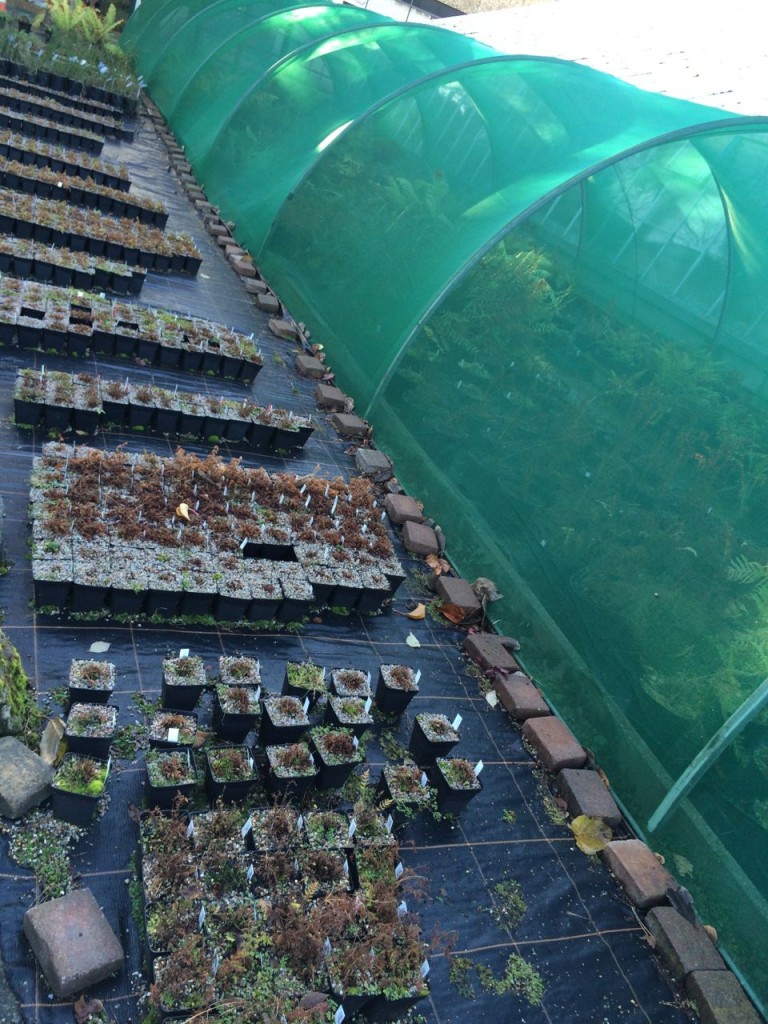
<point>79,228</point>
<point>29,152</point>
<point>84,74</point>
<point>36,315</point>
<point>64,268</point>
<point>80,102</point>
<point>83,402</point>
<point>189,533</point>
<point>62,112</point>
<point>72,188</point>
<point>51,131</point>
<point>294,905</point>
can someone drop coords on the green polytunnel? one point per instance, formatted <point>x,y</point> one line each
<point>548,290</point>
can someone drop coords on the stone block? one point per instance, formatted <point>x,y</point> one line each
<point>243,267</point>
<point>402,508</point>
<point>217,228</point>
<point>285,329</point>
<point>308,366</point>
<point>330,398</point>
<point>373,463</point>
<point>639,872</point>
<point>268,303</point>
<point>255,286</point>
<point>519,697</point>
<point>73,942</point>
<point>554,743</point>
<point>349,425</point>
<point>720,999</point>
<point>454,590</point>
<point>420,539</point>
<point>225,240</point>
<point>234,251</point>
<point>585,792</point>
<point>487,650</point>
<point>25,779</point>
<point>684,946</point>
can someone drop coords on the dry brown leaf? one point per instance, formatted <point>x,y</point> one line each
<point>52,736</point>
<point>437,564</point>
<point>85,1008</point>
<point>592,834</point>
<point>454,613</point>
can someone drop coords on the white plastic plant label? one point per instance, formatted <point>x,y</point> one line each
<point>424,969</point>
<point>388,824</point>
<point>300,823</point>
<point>456,723</point>
<point>250,872</point>
<point>479,767</point>
<point>352,828</point>
<point>173,735</point>
<point>258,691</point>
<point>201,918</point>
<point>423,780</point>
<point>246,828</point>
<point>402,909</point>
<point>215,964</point>
<point>184,652</point>
<point>306,705</point>
<point>355,742</point>
<point>368,705</point>
<point>327,947</point>
<point>399,869</point>
<point>339,1016</point>
<point>190,829</point>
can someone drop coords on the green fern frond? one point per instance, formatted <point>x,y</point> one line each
<point>741,570</point>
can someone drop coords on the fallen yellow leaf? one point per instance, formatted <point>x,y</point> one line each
<point>182,511</point>
<point>592,834</point>
<point>419,612</point>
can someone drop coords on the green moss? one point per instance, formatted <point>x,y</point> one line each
<point>19,713</point>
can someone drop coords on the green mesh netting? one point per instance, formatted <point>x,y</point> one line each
<point>547,289</point>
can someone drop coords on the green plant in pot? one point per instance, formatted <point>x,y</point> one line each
<point>397,686</point>
<point>230,773</point>
<point>433,735</point>
<point>236,710</point>
<point>349,712</point>
<point>403,791</point>
<point>456,781</point>
<point>77,784</point>
<point>304,679</point>
<point>90,729</point>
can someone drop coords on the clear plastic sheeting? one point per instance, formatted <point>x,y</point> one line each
<point>547,290</point>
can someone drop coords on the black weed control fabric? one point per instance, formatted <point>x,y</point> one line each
<point>578,931</point>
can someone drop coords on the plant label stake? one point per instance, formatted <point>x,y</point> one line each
<point>388,824</point>
<point>327,947</point>
<point>300,823</point>
<point>417,677</point>
<point>423,780</point>
<point>398,870</point>
<point>479,767</point>
<point>190,829</point>
<point>356,742</point>
<point>456,723</point>
<point>352,828</point>
<point>246,828</point>
<point>402,909</point>
<point>424,969</point>
<point>173,735</point>
<point>339,1016</point>
<point>201,918</point>
<point>306,705</point>
<point>184,652</point>
<point>368,704</point>
<point>250,872</point>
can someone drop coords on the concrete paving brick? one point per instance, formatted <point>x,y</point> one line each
<point>268,303</point>
<point>243,266</point>
<point>349,425</point>
<point>255,286</point>
<point>73,942</point>
<point>373,463</point>
<point>487,650</point>
<point>285,329</point>
<point>331,398</point>
<point>639,872</point>
<point>554,743</point>
<point>308,366</point>
<point>585,793</point>
<point>684,946</point>
<point>420,539</point>
<point>25,779</point>
<point>720,999</point>
<point>519,697</point>
<point>402,508</point>
<point>454,590</point>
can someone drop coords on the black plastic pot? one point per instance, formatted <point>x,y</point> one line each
<point>127,602</point>
<point>331,776</point>
<point>451,799</point>
<point>182,696</point>
<point>27,413</point>
<point>230,726</point>
<point>272,733</point>
<point>165,797</point>
<point>96,747</point>
<point>288,787</point>
<point>390,700</point>
<point>332,718</point>
<point>425,750</point>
